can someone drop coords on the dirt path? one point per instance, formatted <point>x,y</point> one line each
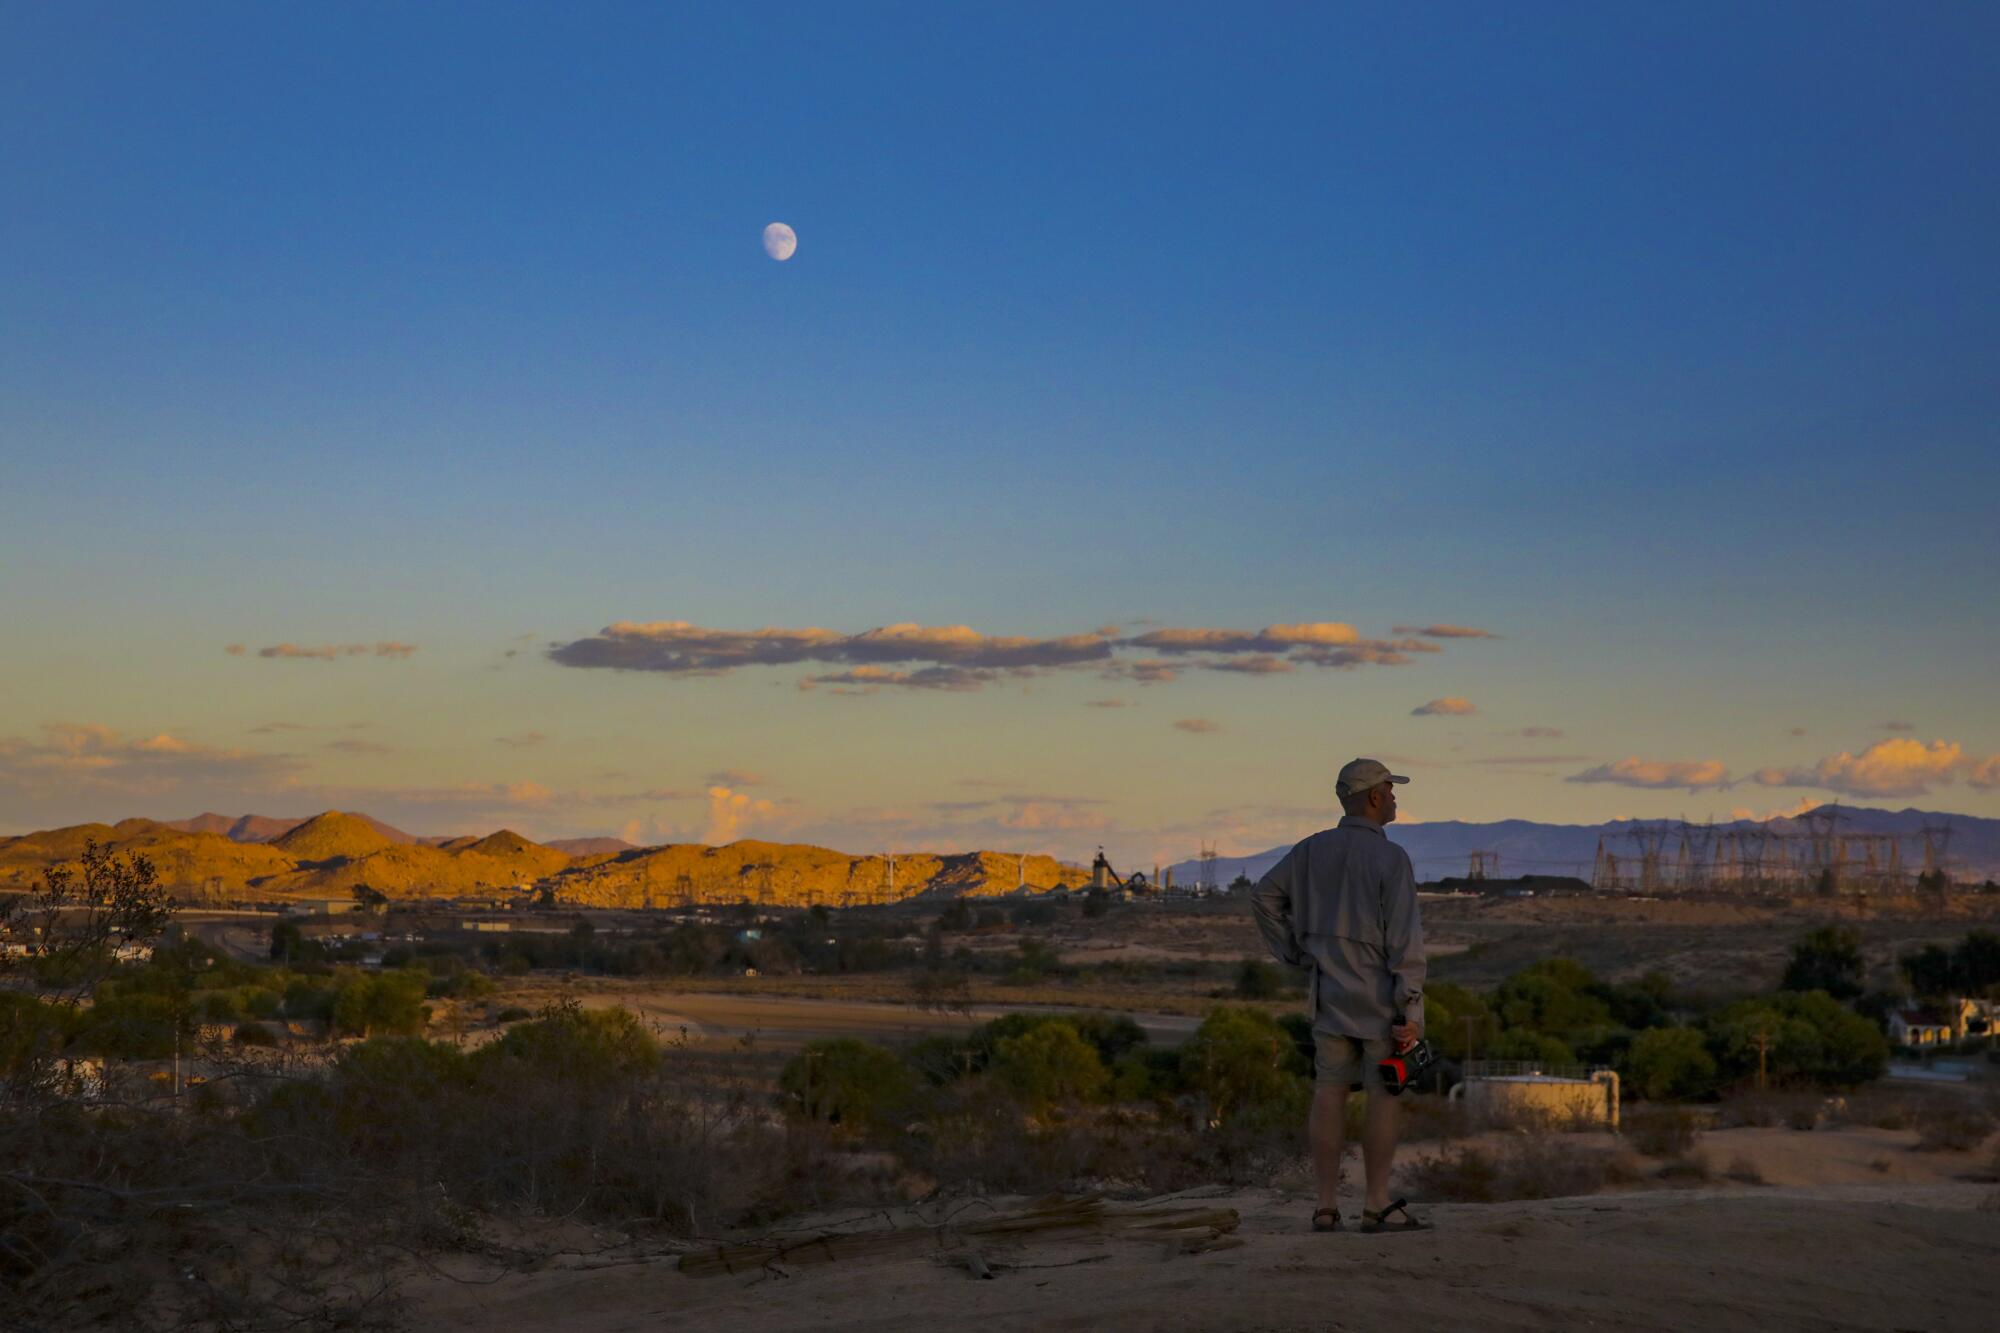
<point>1850,1257</point>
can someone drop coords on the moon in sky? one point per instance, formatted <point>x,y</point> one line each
<point>780,241</point>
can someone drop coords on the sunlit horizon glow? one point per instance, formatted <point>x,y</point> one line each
<point>398,414</point>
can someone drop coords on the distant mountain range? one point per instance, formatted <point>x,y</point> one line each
<point>1525,847</point>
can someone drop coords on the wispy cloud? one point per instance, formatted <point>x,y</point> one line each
<point>1541,733</point>
<point>1898,726</point>
<point>1200,726</point>
<point>522,740</point>
<point>326,652</point>
<point>1106,703</point>
<point>73,761</point>
<point>960,658</point>
<point>360,747</point>
<point>1449,706</point>
<point>736,777</point>
<point>1446,631</point>
<point>1694,775</point>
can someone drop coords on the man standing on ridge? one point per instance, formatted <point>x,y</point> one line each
<point>1344,903</point>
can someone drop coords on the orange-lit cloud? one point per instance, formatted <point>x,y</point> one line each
<point>1199,726</point>
<point>1661,773</point>
<point>1449,706</point>
<point>732,813</point>
<point>1898,766</point>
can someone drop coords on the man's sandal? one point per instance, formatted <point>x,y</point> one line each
<point>1326,1219</point>
<point>1376,1223</point>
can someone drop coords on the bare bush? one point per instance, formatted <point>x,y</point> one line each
<point>1528,1167</point>
<point>1951,1124</point>
<point>1744,1171</point>
<point>1687,1169</point>
<point>1661,1131</point>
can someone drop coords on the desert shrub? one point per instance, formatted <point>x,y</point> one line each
<point>1432,1118</point>
<point>1112,1034</point>
<point>1238,1063</point>
<point>1953,1124</point>
<point>573,1045</point>
<point>1660,1131</point>
<point>1033,914</point>
<point>33,1032</point>
<point>1669,1063</point>
<point>463,984</point>
<point>252,1034</point>
<point>1687,1169</point>
<point>942,989</point>
<point>846,1082</point>
<point>1257,979</point>
<point>1744,1171</point>
<point>1050,1064</point>
<point>1803,1117</point>
<point>513,1013</point>
<point>1529,1166</point>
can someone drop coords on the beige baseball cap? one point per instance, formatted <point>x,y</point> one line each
<point>1361,774</point>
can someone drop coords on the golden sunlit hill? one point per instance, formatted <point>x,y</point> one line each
<point>206,862</point>
<point>332,854</point>
<point>332,836</point>
<point>796,875</point>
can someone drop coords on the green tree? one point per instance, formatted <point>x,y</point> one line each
<point>846,1082</point>
<point>385,1004</point>
<point>1807,1038</point>
<point>1239,1062</point>
<point>1828,959</point>
<point>1931,971</point>
<point>1976,961</point>
<point>1528,1047</point>
<point>1554,997</point>
<point>1668,1063</point>
<point>1050,1065</point>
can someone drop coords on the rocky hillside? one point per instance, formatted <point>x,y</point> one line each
<point>333,853</point>
<point>794,874</point>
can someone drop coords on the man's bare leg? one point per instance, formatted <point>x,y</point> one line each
<point>1378,1148</point>
<point>1326,1129</point>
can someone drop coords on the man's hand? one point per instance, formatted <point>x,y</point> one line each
<point>1405,1034</point>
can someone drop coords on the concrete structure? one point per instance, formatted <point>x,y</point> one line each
<point>1531,1099</point>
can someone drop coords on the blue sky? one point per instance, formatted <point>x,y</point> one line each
<point>1660,343</point>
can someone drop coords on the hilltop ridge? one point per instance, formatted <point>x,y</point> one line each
<point>333,853</point>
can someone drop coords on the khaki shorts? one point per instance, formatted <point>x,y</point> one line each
<point>1349,1061</point>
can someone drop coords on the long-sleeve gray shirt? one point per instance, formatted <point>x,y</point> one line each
<point>1345,901</point>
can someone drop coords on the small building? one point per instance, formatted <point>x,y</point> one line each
<point>1974,1018</point>
<point>1919,1028</point>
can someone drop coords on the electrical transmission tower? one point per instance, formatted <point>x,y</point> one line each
<point>1482,865</point>
<point>1206,874</point>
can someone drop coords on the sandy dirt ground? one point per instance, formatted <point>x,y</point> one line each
<point>1895,1256</point>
